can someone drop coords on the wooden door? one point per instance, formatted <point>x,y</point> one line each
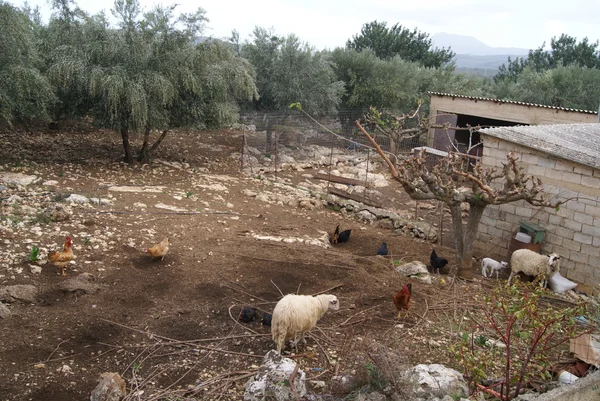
<point>443,140</point>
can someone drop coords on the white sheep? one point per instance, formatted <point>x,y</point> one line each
<point>494,266</point>
<point>533,264</point>
<point>298,314</point>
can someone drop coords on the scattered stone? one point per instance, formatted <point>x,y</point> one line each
<point>436,381</point>
<point>18,179</point>
<point>50,183</point>
<point>170,207</point>
<point>80,284</point>
<point>214,187</point>
<point>386,224</point>
<point>139,205</point>
<point>248,192</point>
<point>414,269</point>
<point>110,388</point>
<point>58,212</point>
<point>5,313</point>
<point>374,396</point>
<point>100,201</point>
<point>309,204</point>
<point>74,198</point>
<point>272,380</point>
<point>25,293</point>
<point>366,216</point>
<point>322,241</point>
<point>35,269</point>
<point>133,188</point>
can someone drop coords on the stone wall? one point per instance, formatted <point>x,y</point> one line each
<point>573,231</point>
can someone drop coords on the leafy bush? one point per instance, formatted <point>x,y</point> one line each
<point>528,330</point>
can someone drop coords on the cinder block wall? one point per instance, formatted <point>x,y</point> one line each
<point>573,231</point>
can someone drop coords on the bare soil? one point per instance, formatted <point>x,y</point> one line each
<point>170,324</point>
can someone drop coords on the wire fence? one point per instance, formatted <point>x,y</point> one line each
<point>276,135</point>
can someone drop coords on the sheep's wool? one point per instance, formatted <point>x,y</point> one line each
<point>297,314</point>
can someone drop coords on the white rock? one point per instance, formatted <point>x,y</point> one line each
<point>170,207</point>
<point>18,179</point>
<point>436,381</point>
<point>248,192</point>
<point>272,380</point>
<point>366,215</point>
<point>150,189</point>
<point>414,269</point>
<point>100,201</point>
<point>139,205</point>
<point>50,183</point>
<point>74,198</point>
<point>4,311</point>
<point>35,269</point>
<point>214,187</point>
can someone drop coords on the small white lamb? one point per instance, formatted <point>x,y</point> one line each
<point>533,264</point>
<point>297,314</point>
<point>494,266</point>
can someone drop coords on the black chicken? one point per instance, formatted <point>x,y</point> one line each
<point>247,314</point>
<point>266,320</point>
<point>436,262</point>
<point>339,237</point>
<point>383,250</point>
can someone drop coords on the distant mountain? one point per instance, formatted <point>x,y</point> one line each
<point>462,44</point>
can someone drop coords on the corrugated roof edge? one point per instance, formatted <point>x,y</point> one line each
<point>512,102</point>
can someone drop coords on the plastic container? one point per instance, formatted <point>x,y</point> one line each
<point>524,238</point>
<point>566,377</point>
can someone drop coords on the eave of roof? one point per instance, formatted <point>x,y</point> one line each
<point>579,143</point>
<point>487,99</point>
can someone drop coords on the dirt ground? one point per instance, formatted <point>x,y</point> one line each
<point>171,324</point>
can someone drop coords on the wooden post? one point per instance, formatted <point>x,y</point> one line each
<point>367,175</point>
<point>330,161</point>
<point>244,144</point>
<point>441,236</point>
<point>276,151</point>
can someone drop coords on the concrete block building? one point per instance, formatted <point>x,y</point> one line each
<point>567,159</point>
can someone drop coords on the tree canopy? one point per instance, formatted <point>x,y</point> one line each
<point>25,92</point>
<point>564,51</point>
<point>149,74</point>
<point>387,43</point>
<point>288,71</point>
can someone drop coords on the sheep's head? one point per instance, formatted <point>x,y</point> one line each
<point>334,304</point>
<point>554,262</point>
<point>331,300</point>
<point>503,265</point>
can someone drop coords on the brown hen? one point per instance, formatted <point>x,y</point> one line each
<point>402,299</point>
<point>62,259</point>
<point>159,250</point>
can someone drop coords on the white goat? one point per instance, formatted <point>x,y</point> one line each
<point>298,314</point>
<point>533,264</point>
<point>494,266</point>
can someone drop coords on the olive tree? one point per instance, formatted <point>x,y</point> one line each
<point>25,93</point>
<point>148,74</point>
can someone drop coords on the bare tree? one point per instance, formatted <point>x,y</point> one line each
<point>450,182</point>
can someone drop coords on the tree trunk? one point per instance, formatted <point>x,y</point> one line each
<point>464,237</point>
<point>144,156</point>
<point>126,146</point>
<point>457,227</point>
<point>159,140</point>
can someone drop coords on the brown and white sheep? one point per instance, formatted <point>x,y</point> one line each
<point>297,314</point>
<point>533,264</point>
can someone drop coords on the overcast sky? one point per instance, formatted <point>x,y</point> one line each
<point>329,23</point>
